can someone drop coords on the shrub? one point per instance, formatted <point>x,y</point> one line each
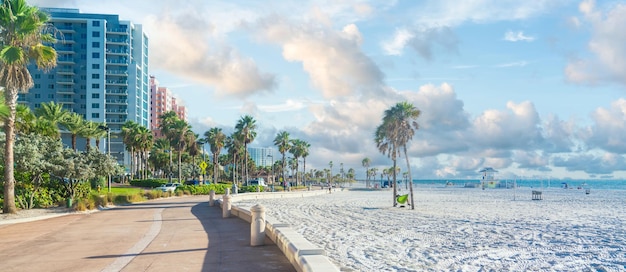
<point>204,189</point>
<point>148,183</point>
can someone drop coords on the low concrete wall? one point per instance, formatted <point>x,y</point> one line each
<point>304,256</point>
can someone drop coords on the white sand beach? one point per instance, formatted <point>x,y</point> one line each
<point>461,229</point>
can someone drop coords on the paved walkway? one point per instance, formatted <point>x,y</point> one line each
<point>174,234</point>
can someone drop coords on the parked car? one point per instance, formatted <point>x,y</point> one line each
<point>257,182</point>
<point>169,187</point>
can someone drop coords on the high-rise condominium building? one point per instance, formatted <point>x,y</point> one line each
<point>102,73</point>
<point>162,101</point>
<point>262,156</point>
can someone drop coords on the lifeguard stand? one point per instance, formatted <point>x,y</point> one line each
<point>488,177</point>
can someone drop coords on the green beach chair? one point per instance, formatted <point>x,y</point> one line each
<point>402,199</point>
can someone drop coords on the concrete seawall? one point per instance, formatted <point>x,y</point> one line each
<point>304,256</point>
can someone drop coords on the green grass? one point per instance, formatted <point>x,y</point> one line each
<point>125,190</point>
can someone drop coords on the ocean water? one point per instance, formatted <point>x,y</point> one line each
<point>525,183</point>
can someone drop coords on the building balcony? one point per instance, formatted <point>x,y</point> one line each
<point>117,111</point>
<point>117,30</point>
<point>117,41</point>
<point>122,62</point>
<point>65,71</point>
<point>116,92</point>
<point>65,91</point>
<point>65,29</point>
<point>117,72</point>
<point>65,81</point>
<point>117,52</point>
<point>115,120</point>
<point>65,50</point>
<point>65,100</point>
<point>117,82</point>
<point>65,60</point>
<point>117,101</point>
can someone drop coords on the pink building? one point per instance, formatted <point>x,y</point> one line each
<point>162,101</point>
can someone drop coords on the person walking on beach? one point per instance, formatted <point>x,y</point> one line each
<point>330,188</point>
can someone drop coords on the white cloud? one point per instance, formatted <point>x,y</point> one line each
<point>288,105</point>
<point>190,50</point>
<point>517,36</point>
<point>397,43</point>
<point>608,60</point>
<point>434,16</point>
<point>333,59</point>
<point>512,64</point>
<point>609,128</point>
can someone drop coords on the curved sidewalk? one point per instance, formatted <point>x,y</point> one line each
<point>174,234</point>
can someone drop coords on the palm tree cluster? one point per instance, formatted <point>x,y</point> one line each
<point>298,149</point>
<point>391,137</point>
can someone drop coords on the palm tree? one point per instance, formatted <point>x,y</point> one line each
<point>304,152</point>
<point>143,141</point>
<point>52,112</point>
<point>74,124</point>
<point>398,127</point>
<point>330,165</point>
<point>216,140</point>
<point>234,146</point>
<point>160,155</point>
<point>283,143</point>
<point>90,130</point>
<point>366,163</point>
<point>297,148</point>
<point>246,126</point>
<point>129,130</point>
<point>178,134</point>
<point>21,39</point>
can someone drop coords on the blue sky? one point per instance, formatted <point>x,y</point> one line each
<point>532,88</point>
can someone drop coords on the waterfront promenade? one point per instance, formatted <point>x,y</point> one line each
<point>174,234</point>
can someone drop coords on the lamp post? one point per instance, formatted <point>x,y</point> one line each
<point>108,130</point>
<point>204,160</point>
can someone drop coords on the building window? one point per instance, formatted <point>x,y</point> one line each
<point>95,34</point>
<point>95,86</point>
<point>95,76</point>
<point>95,66</point>
<point>37,76</point>
<point>82,45</point>
<point>95,115</point>
<point>37,86</point>
<point>83,106</point>
<point>95,55</point>
<point>95,23</point>
<point>95,95</point>
<point>95,44</point>
<point>82,96</point>
<point>95,105</point>
<point>51,86</point>
<point>50,76</point>
<point>51,96</point>
<point>37,95</point>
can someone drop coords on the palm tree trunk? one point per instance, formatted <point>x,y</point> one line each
<point>245,160</point>
<point>180,156</point>
<point>395,189</point>
<point>9,178</point>
<point>410,181</point>
<point>215,169</point>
